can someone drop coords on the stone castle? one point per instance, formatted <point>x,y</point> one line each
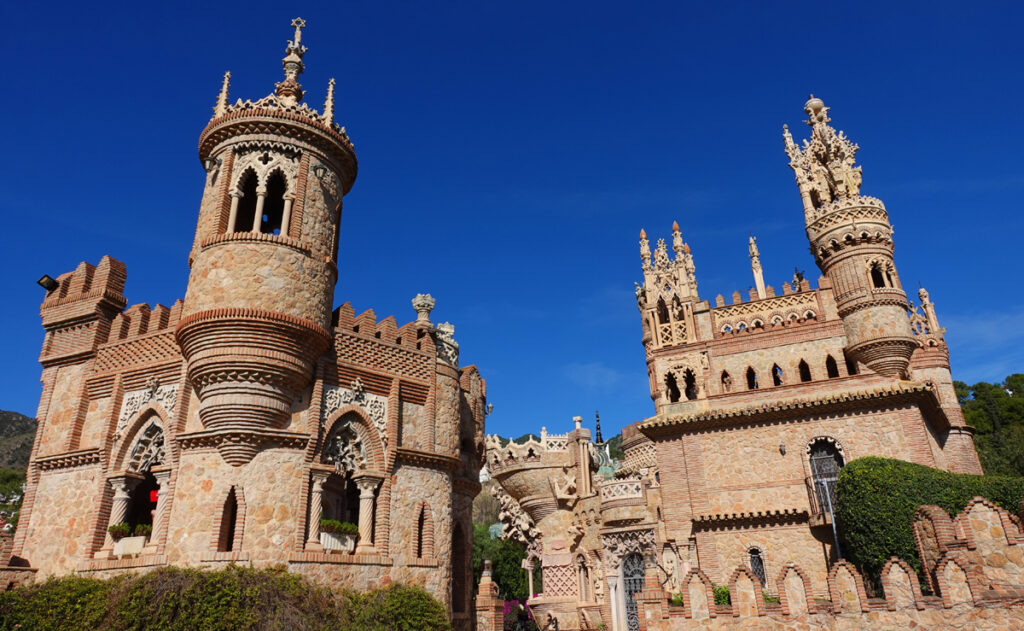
<point>247,422</point>
<point>757,405</point>
<point>229,424</point>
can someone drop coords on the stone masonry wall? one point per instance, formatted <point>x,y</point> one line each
<point>59,528</point>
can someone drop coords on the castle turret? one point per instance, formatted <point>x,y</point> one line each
<point>264,260</point>
<point>851,240</point>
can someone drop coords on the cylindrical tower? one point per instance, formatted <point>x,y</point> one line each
<point>851,240</point>
<point>264,261</point>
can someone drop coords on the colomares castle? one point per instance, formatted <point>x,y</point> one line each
<point>254,422</point>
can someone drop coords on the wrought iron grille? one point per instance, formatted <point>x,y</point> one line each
<point>633,582</point>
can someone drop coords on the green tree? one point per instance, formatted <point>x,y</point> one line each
<point>506,564</point>
<point>12,490</point>
<point>996,411</point>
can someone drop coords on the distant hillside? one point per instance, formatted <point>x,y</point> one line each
<point>17,432</point>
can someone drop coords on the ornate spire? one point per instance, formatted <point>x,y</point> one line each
<point>329,104</point>
<point>289,91</point>
<point>755,266</point>
<point>597,421</point>
<point>645,250</point>
<point>222,99</point>
<point>677,239</point>
<point>824,165</point>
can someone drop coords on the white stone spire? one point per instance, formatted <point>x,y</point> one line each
<point>222,98</point>
<point>329,104</point>
<point>755,266</point>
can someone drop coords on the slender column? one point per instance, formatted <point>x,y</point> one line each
<point>613,595</point>
<point>261,198</point>
<point>367,486</point>
<point>528,566</point>
<point>122,486</point>
<point>286,217</point>
<point>234,212</point>
<point>162,479</point>
<point>316,510</point>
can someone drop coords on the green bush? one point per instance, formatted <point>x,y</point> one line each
<point>338,527</point>
<point>143,530</point>
<point>722,595</point>
<point>118,531</point>
<point>877,498</point>
<point>235,598</point>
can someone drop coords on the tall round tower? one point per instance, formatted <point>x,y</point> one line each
<point>851,240</point>
<point>264,260</point>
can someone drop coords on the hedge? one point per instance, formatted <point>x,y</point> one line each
<point>877,498</point>
<point>232,599</point>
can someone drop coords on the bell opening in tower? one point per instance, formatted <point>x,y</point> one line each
<point>246,204</point>
<point>273,207</point>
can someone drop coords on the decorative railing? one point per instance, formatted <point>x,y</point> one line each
<point>622,490</point>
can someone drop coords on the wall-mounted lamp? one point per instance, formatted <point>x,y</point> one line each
<point>490,409</point>
<point>782,449</point>
<point>48,283</point>
<point>319,171</point>
<point>212,164</point>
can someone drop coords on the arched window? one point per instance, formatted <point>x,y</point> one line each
<point>776,375</point>
<point>662,312</point>
<point>830,367</point>
<point>419,533</point>
<point>142,501</point>
<point>851,366</point>
<point>247,203</point>
<point>672,388</point>
<point>726,382</point>
<point>424,533</point>
<point>889,276</point>
<point>825,461</point>
<point>876,275</point>
<point>690,382</point>
<point>751,379</point>
<point>805,371</point>
<point>458,569</point>
<point>757,565</point>
<point>583,579</point>
<point>273,207</point>
<point>228,521</point>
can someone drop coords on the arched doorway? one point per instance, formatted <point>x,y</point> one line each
<point>632,583</point>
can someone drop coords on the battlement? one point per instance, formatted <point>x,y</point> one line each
<point>797,304</point>
<point>85,292</point>
<point>140,319</point>
<point>410,335</point>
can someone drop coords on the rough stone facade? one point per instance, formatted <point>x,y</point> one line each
<point>234,421</point>
<point>758,404</point>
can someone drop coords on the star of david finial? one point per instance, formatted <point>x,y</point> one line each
<point>298,24</point>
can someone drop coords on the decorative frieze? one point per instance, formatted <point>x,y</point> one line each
<point>134,401</point>
<point>375,406</point>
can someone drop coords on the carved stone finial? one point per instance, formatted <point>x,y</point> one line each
<point>329,103</point>
<point>289,92</point>
<point>677,238</point>
<point>222,98</point>
<point>578,421</point>
<point>645,250</point>
<point>423,304</point>
<point>825,165</point>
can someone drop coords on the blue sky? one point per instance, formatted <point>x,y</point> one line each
<point>510,153</point>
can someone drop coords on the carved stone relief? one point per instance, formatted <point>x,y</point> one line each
<point>135,400</point>
<point>375,406</point>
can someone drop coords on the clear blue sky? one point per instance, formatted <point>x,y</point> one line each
<point>510,153</point>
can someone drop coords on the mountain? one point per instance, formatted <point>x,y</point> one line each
<point>17,432</point>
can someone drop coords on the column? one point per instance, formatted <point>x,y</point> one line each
<point>122,486</point>
<point>234,212</point>
<point>261,198</point>
<point>367,486</point>
<point>316,510</point>
<point>163,479</point>
<point>613,596</point>
<point>286,216</point>
<point>528,566</point>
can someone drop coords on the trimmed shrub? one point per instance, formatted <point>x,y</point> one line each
<point>877,498</point>
<point>235,598</point>
<point>722,594</point>
<point>143,530</point>
<point>119,531</point>
<point>339,527</point>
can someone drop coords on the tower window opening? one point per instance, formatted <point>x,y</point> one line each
<point>246,203</point>
<point>830,367</point>
<point>757,565</point>
<point>228,521</point>
<point>876,275</point>
<point>888,277</point>
<point>672,388</point>
<point>851,366</point>
<point>142,501</point>
<point>662,312</point>
<point>776,375</point>
<point>805,371</point>
<point>273,207</point>
<point>726,382</point>
<point>419,532</point>
<point>751,378</point>
<point>690,381</point>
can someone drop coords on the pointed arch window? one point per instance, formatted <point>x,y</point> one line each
<point>757,565</point>
<point>805,371</point>
<point>877,279</point>
<point>776,375</point>
<point>831,369</point>
<point>672,388</point>
<point>690,383</point>
<point>242,218</point>
<point>228,523</point>
<point>726,382</point>
<point>751,378</point>
<point>851,366</point>
<point>273,207</point>
<point>662,312</point>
